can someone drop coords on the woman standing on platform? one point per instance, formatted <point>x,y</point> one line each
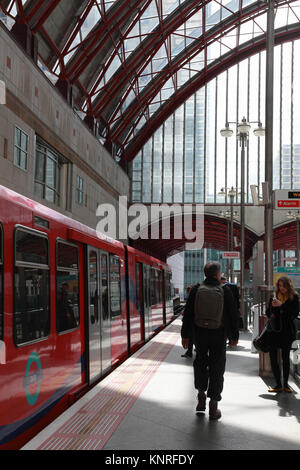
<point>282,310</point>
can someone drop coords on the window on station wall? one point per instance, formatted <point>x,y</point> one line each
<point>20,148</point>
<point>79,190</point>
<point>1,283</point>
<point>115,286</point>
<point>51,174</point>
<point>67,287</point>
<point>31,286</point>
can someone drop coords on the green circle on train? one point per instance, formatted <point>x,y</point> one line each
<point>30,379</point>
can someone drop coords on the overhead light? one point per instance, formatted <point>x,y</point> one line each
<point>232,192</point>
<point>243,127</point>
<point>260,131</point>
<point>226,131</point>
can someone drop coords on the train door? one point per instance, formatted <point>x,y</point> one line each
<point>105,313</point>
<point>99,317</point>
<point>147,301</point>
<point>139,297</point>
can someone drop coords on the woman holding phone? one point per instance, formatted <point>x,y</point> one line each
<point>282,310</point>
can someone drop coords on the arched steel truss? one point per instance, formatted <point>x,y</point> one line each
<point>124,103</point>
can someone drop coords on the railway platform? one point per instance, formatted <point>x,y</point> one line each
<point>149,402</point>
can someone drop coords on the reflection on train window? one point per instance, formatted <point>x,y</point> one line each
<point>31,248</point>
<point>32,288</point>
<point>115,286</point>
<point>67,256</point>
<point>1,283</point>
<point>138,287</point>
<point>67,287</point>
<point>168,293</point>
<point>93,272</point>
<point>104,287</point>
<point>156,286</point>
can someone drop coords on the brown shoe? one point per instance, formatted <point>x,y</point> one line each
<point>277,389</point>
<point>201,402</point>
<point>214,412</point>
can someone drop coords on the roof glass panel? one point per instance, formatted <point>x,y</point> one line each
<point>118,58</point>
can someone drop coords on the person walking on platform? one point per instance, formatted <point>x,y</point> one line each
<point>189,351</point>
<point>210,316</point>
<point>282,310</point>
<point>236,295</point>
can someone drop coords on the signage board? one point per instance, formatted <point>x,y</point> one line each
<point>288,270</point>
<point>286,199</point>
<point>230,254</point>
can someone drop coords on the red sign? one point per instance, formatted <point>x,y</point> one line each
<point>288,203</point>
<point>230,254</point>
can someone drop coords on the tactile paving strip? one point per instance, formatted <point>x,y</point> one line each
<point>93,424</point>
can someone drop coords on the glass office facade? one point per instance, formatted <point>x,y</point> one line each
<point>188,161</point>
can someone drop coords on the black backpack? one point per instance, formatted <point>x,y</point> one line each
<point>208,308</point>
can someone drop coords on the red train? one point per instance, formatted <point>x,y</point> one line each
<point>72,306</point>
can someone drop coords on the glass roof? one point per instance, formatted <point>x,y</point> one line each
<point>126,63</point>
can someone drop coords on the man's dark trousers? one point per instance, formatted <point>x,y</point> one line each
<point>209,365</point>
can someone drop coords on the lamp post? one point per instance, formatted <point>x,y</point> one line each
<point>295,215</point>
<point>243,129</point>
<point>231,192</point>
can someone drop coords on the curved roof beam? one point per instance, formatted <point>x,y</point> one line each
<point>214,237</point>
<point>106,101</point>
<point>52,23</point>
<point>102,43</point>
<point>122,135</point>
<point>201,43</point>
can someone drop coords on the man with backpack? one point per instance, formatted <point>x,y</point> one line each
<point>210,316</point>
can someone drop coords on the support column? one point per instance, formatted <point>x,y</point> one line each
<point>269,147</point>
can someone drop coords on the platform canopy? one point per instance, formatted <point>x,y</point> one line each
<point>127,65</point>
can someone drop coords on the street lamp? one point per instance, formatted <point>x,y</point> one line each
<point>231,192</point>
<point>229,215</point>
<point>243,129</point>
<point>295,215</point>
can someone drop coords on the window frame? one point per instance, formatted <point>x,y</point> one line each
<point>59,161</point>
<point>112,315</point>
<point>79,190</point>
<point>27,264</point>
<point>20,149</point>
<point>70,270</point>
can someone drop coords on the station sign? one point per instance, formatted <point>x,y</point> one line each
<point>230,254</point>
<point>286,199</point>
<point>288,270</point>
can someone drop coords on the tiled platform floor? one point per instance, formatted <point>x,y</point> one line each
<point>148,404</point>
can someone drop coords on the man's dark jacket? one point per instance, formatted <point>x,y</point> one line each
<point>230,320</point>
<point>235,292</point>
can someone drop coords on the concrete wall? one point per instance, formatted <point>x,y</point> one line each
<point>35,106</point>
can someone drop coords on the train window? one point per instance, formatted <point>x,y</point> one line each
<point>31,248</point>
<point>104,287</point>
<point>138,287</point>
<point>1,283</point>
<point>115,286</point>
<point>67,287</point>
<point>32,287</point>
<point>159,286</point>
<point>93,290</point>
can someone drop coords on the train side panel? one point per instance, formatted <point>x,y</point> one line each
<point>38,373</point>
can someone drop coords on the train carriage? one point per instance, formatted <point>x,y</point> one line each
<point>69,311</point>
